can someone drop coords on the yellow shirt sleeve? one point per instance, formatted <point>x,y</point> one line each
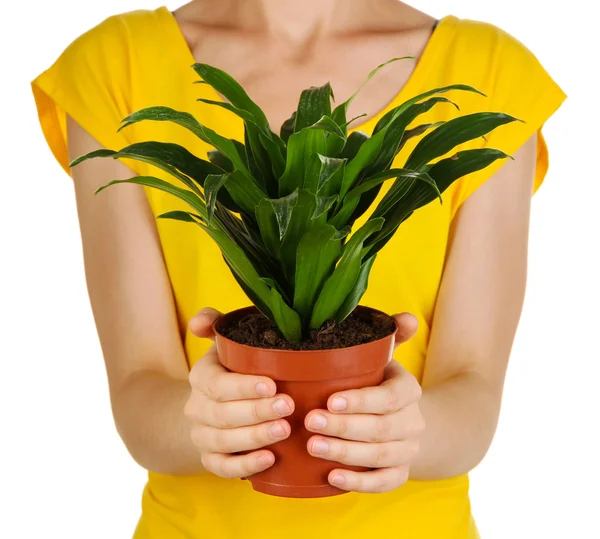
<point>517,84</point>
<point>90,82</point>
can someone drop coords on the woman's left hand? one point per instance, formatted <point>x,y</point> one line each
<point>376,427</point>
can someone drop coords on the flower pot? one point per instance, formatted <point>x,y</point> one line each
<point>309,377</point>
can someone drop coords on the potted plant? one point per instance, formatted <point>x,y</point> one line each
<point>282,208</point>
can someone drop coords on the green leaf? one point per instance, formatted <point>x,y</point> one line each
<point>287,128</point>
<point>245,191</point>
<point>343,279</point>
<point>404,180</point>
<point>302,147</point>
<point>219,160</point>
<point>269,227</point>
<point>453,133</point>
<point>189,197</point>
<point>229,88</point>
<point>287,320</point>
<point>324,204</point>
<point>318,251</point>
<point>335,137</point>
<point>300,221</point>
<point>328,167</point>
<point>243,114</point>
<point>283,208</point>
<point>355,140</point>
<point>340,112</point>
<point>357,292</point>
<point>185,119</point>
<point>444,173</point>
<point>394,132</point>
<point>313,105</point>
<point>179,215</point>
<point>156,154</point>
<point>276,157</point>
<point>388,116</point>
<point>416,132</point>
<point>213,183</point>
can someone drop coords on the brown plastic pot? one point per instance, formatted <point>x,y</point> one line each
<point>310,377</point>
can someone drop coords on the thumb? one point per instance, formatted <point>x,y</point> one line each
<point>407,325</point>
<point>201,324</point>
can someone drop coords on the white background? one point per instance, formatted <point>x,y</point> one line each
<point>64,466</point>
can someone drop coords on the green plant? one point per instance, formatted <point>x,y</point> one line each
<point>281,207</point>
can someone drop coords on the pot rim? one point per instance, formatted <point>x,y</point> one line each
<point>290,352</point>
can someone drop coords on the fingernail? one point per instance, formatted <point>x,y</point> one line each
<point>339,403</point>
<point>338,479</point>
<point>320,447</point>
<point>262,389</point>
<point>264,461</point>
<point>281,407</point>
<point>276,430</point>
<point>317,422</point>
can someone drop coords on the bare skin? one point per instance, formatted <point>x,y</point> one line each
<point>180,422</point>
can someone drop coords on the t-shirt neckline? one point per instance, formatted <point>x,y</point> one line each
<point>413,86</point>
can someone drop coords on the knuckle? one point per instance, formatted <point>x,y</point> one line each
<point>221,416</point>
<point>341,450</point>
<point>382,429</point>
<point>393,400</point>
<point>221,442</point>
<point>257,414</point>
<point>382,455</point>
<point>213,388</point>
<point>381,484</point>
<point>342,426</point>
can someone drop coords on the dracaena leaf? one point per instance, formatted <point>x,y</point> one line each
<point>353,143</point>
<point>357,292</point>
<point>287,128</point>
<point>213,183</point>
<point>189,197</point>
<point>340,112</point>
<point>245,191</point>
<point>178,215</point>
<point>301,148</point>
<point>185,119</point>
<point>318,251</point>
<point>341,282</point>
<point>229,88</point>
<point>453,133</point>
<point>313,105</point>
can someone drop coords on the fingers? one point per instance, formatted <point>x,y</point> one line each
<point>217,383</point>
<point>405,423</point>
<point>201,324</point>
<point>407,325</point>
<point>236,466</point>
<point>398,390</point>
<point>370,455</point>
<point>372,481</point>
<point>214,440</point>
<point>233,414</point>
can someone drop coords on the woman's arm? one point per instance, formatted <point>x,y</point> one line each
<point>475,320</point>
<point>476,315</point>
<point>171,420</point>
<point>134,313</point>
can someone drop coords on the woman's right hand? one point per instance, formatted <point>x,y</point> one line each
<point>232,412</point>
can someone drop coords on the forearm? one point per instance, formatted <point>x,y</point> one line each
<point>461,414</point>
<point>148,411</point>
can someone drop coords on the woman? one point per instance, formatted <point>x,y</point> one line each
<point>462,265</point>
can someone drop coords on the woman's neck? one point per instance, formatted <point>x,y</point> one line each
<point>297,21</point>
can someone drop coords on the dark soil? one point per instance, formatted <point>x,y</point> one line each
<point>360,327</point>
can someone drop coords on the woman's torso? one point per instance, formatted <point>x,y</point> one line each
<point>141,59</point>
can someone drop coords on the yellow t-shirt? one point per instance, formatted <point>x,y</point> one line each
<point>139,59</point>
